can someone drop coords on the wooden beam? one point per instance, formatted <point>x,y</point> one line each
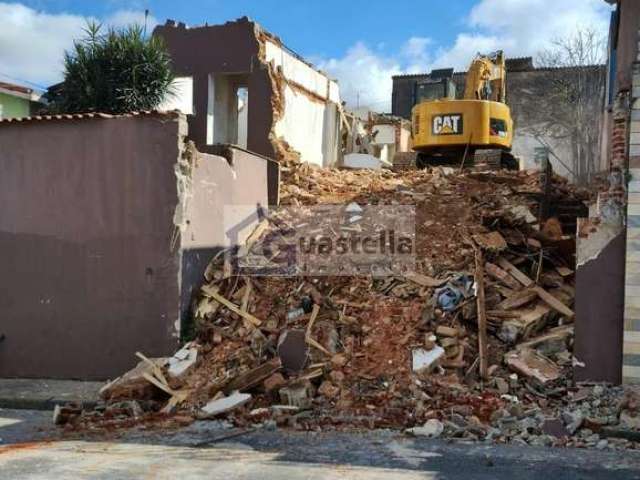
<point>501,275</point>
<point>554,303</point>
<point>423,280</point>
<point>314,315</point>
<point>234,308</point>
<point>515,272</point>
<point>518,299</point>
<point>482,316</point>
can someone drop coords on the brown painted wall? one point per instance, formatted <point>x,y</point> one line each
<point>231,48</point>
<point>86,226</point>
<point>627,48</point>
<point>599,308</point>
<point>87,275</point>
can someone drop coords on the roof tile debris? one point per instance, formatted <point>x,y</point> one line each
<point>87,115</point>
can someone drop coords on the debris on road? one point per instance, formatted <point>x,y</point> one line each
<point>475,343</point>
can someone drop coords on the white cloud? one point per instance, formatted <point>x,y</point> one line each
<point>122,18</point>
<point>32,43</point>
<point>364,75</point>
<point>519,27</point>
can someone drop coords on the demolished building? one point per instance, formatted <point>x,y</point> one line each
<point>371,139</point>
<point>259,95</point>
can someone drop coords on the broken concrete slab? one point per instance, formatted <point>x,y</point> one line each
<point>225,404</point>
<point>533,365</point>
<point>431,429</point>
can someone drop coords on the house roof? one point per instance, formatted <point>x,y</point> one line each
<point>19,91</point>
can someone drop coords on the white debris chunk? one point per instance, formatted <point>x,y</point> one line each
<point>183,360</point>
<point>425,360</point>
<point>222,405</point>
<point>432,429</point>
<point>353,207</point>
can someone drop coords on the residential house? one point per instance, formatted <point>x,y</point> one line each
<point>17,101</point>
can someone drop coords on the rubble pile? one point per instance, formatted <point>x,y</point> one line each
<point>475,342</point>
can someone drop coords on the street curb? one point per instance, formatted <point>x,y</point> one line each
<point>39,404</point>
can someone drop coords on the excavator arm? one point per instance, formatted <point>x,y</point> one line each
<point>485,78</point>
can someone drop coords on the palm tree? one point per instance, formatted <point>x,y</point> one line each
<point>116,72</point>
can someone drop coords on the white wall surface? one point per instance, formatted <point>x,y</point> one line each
<point>182,98</point>
<point>301,73</point>
<point>524,146</point>
<point>302,125</point>
<point>310,125</point>
<point>386,134</point>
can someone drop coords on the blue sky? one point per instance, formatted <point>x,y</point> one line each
<point>308,26</point>
<point>360,43</point>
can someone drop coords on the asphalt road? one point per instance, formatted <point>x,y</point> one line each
<point>32,449</point>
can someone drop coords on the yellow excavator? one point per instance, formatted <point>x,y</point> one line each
<point>477,128</point>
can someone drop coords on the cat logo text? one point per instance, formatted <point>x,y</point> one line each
<point>450,124</point>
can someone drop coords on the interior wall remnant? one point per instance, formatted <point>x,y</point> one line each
<point>599,303</point>
<point>223,182</point>
<point>290,107</point>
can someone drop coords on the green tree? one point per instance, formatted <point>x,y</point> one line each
<point>119,71</point>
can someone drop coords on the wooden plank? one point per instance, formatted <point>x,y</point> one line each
<point>314,343</point>
<point>314,315</point>
<point>558,332</point>
<point>514,272</point>
<point>210,292</point>
<point>253,377</point>
<point>501,275</point>
<point>564,271</point>
<point>423,280</point>
<point>518,299</point>
<point>482,316</point>
<point>554,303</point>
<point>248,288</point>
<point>153,380</point>
<point>157,371</point>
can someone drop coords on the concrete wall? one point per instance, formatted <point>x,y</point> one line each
<point>225,188</point>
<point>102,219</point>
